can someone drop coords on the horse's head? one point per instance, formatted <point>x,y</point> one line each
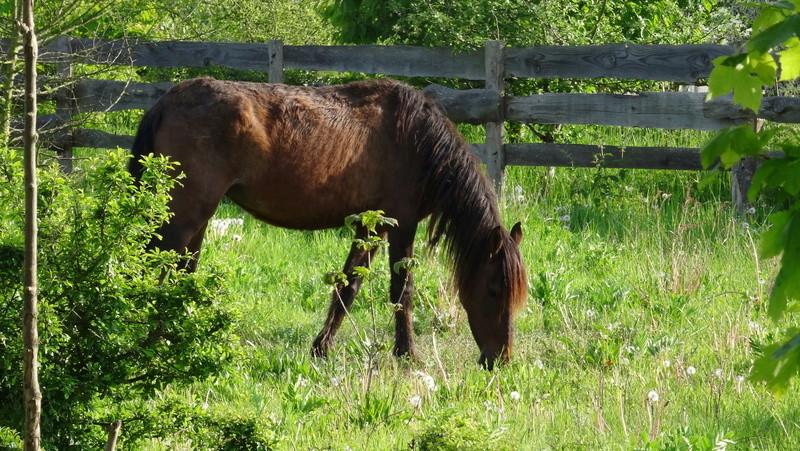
<point>496,292</point>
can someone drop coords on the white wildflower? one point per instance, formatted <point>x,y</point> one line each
<point>691,370</point>
<point>718,372</point>
<point>538,364</point>
<point>415,401</point>
<point>652,396</point>
<point>751,211</point>
<point>236,238</point>
<point>221,226</point>
<point>334,382</point>
<point>430,383</point>
<point>514,395</point>
<point>591,313</point>
<point>666,363</point>
<point>745,225</point>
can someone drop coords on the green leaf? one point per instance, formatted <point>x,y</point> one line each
<point>769,16</point>
<point>776,372</point>
<point>722,78</point>
<point>747,91</point>
<point>730,145</point>
<point>774,239</point>
<point>774,35</point>
<point>763,65</point>
<point>790,60</point>
<point>787,283</point>
<point>734,73</point>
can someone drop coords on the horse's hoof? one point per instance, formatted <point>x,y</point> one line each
<point>406,352</point>
<point>318,350</point>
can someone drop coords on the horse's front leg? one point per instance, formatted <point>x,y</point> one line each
<point>401,245</point>
<point>343,296</point>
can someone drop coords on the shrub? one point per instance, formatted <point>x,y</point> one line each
<point>117,323</point>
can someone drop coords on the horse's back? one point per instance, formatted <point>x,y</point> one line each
<point>298,157</point>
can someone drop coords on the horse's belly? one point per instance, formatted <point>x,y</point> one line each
<point>302,209</point>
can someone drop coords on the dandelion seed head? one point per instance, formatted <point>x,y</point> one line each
<point>430,383</point>
<point>538,364</point>
<point>415,401</point>
<point>666,363</point>
<point>652,396</point>
<point>718,372</point>
<point>565,218</point>
<point>691,370</point>
<point>514,395</point>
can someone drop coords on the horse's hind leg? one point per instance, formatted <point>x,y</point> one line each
<point>401,245</point>
<point>343,296</point>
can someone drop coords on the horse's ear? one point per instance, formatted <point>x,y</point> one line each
<point>495,241</point>
<point>516,233</point>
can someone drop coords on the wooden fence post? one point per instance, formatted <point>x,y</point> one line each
<point>275,71</point>
<point>65,107</point>
<point>494,61</point>
<point>742,176</point>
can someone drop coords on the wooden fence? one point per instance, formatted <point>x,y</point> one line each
<point>686,64</point>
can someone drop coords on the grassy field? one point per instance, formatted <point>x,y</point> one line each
<point>646,310</point>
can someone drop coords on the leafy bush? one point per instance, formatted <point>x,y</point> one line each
<point>451,430</point>
<point>117,323</point>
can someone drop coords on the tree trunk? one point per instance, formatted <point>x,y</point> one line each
<point>32,395</point>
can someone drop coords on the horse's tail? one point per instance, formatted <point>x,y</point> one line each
<point>144,142</point>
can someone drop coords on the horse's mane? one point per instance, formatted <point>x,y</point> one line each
<point>460,198</point>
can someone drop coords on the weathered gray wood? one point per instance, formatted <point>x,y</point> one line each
<point>98,139</point>
<point>275,72</point>
<point>409,61</point>
<point>65,109</point>
<point>583,155</point>
<point>742,176</point>
<point>667,110</point>
<point>681,63</point>
<point>479,149</point>
<point>104,95</point>
<point>400,60</point>
<point>495,131</point>
<point>172,53</point>
<point>776,109</point>
<point>472,106</point>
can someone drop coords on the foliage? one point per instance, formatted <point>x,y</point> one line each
<point>449,431</point>
<point>744,73</point>
<point>117,324</point>
<point>468,23</point>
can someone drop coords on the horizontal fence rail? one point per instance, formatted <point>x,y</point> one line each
<point>686,64</point>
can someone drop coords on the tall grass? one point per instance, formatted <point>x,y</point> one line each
<point>646,311</point>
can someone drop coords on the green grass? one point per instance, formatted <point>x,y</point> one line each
<point>635,277</point>
<point>640,282</point>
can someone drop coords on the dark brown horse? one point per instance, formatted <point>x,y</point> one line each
<point>306,158</point>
